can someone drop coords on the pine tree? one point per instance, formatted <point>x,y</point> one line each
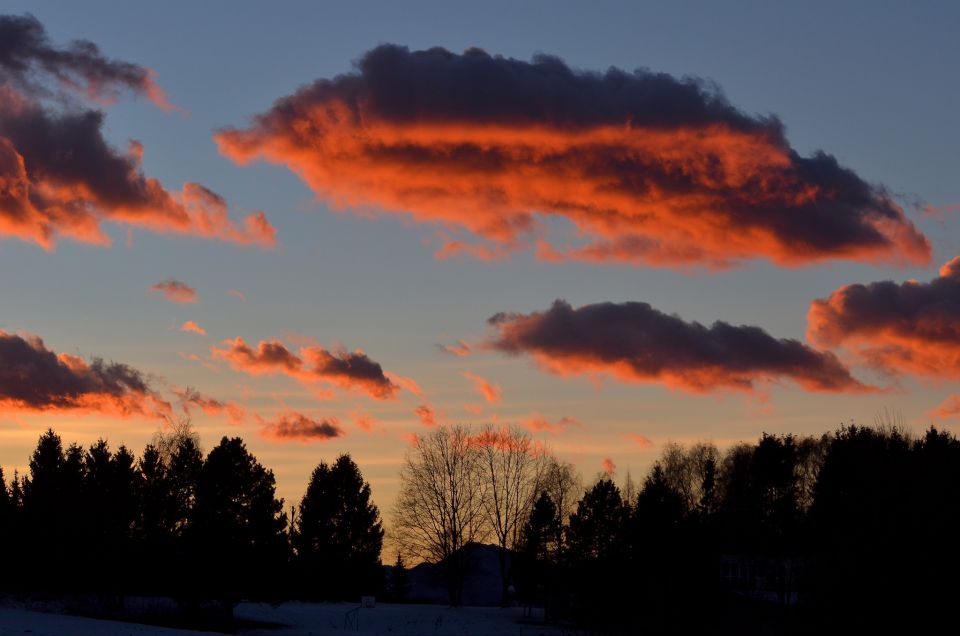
<point>339,535</point>
<point>596,547</point>
<point>5,513</point>
<point>156,519</point>
<point>538,550</point>
<point>237,531</point>
<point>45,520</point>
<point>596,527</point>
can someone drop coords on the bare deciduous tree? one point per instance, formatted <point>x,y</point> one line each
<point>565,486</point>
<point>691,473</point>
<point>513,467</point>
<point>440,508</point>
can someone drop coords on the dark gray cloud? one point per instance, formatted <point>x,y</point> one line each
<point>34,378</point>
<point>635,342</point>
<point>28,60</point>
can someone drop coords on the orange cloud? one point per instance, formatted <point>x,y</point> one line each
<point>236,293</point>
<point>426,414</point>
<point>489,391</point>
<point>175,291</point>
<point>636,343</point>
<point>192,327</point>
<point>408,384</point>
<point>190,398</point>
<point>476,409</point>
<point>70,184</point>
<point>195,358</point>
<point>941,211</point>
<point>365,422</point>
<point>646,168</point>
<point>59,178</point>
<point>347,370</point>
<point>296,427</point>
<point>461,349</point>
<point>909,327</point>
<point>949,408</point>
<point>540,424</point>
<point>608,467</point>
<point>640,440</point>
<point>36,379</point>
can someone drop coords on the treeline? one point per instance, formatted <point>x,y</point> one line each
<point>853,530</point>
<point>177,522</point>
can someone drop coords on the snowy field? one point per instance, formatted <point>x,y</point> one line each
<point>301,619</point>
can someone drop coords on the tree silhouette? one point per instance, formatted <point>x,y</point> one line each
<point>565,487</point>
<point>596,549</point>
<point>595,527</point>
<point>338,535</point>
<point>50,500</point>
<point>183,459</point>
<point>440,507</point>
<point>110,498</point>
<point>513,468</point>
<point>156,522</point>
<point>6,516</point>
<point>399,581</point>
<point>237,531</point>
<point>861,525</point>
<point>538,550</point>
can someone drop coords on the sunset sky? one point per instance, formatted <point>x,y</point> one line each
<point>538,225</point>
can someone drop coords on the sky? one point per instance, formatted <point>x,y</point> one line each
<point>435,236</point>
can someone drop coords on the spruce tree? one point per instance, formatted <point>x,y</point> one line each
<point>237,531</point>
<point>339,535</point>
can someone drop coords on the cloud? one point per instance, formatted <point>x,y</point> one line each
<point>59,178</point>
<point>539,424</point>
<point>347,370</point>
<point>461,349</point>
<point>427,415</point>
<point>35,379</point>
<point>608,467</point>
<point>475,409</point>
<point>175,291</point>
<point>28,60</point>
<point>191,398</point>
<point>941,211</point>
<point>642,441</point>
<point>948,409</point>
<point>195,358</point>
<point>408,384</point>
<point>192,327</point>
<point>645,167</point>
<point>365,422</point>
<point>236,293</point>
<point>483,386</point>
<point>296,427</point>
<point>908,327</point>
<point>636,343</point>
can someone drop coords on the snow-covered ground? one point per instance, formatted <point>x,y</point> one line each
<point>21,621</point>
<point>301,619</point>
